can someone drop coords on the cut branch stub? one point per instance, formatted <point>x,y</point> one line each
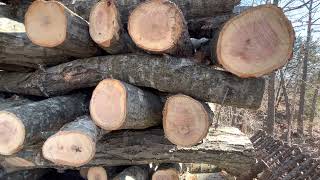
<point>185,120</point>
<point>117,105</point>
<point>158,26</point>
<point>255,43</point>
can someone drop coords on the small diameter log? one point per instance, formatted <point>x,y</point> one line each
<point>117,105</point>
<point>167,74</point>
<point>24,124</point>
<point>186,121</point>
<point>133,172</point>
<point>97,173</point>
<point>74,145</point>
<point>256,42</point>
<point>51,24</point>
<point>167,171</point>
<point>106,28</point>
<point>165,33</point>
<point>18,53</point>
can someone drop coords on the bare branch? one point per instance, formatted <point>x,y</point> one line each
<point>295,8</point>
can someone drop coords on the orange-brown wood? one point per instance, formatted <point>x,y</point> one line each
<point>257,42</point>
<point>97,173</point>
<point>166,174</point>
<point>185,120</point>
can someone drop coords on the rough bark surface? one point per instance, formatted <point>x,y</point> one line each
<point>135,172</point>
<point>168,74</point>
<point>227,148</point>
<point>17,50</point>
<point>77,41</point>
<point>12,102</point>
<point>48,115</point>
<point>25,174</point>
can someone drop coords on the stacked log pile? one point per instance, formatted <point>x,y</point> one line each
<point>118,83</point>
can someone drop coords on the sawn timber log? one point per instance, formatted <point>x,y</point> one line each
<point>167,74</point>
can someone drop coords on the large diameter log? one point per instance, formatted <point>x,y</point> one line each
<point>97,173</point>
<point>133,172</point>
<point>165,33</point>
<point>106,28</point>
<point>256,42</point>
<point>24,124</point>
<point>18,52</point>
<point>13,101</point>
<point>74,144</point>
<point>227,148</point>
<point>117,105</point>
<point>185,120</point>
<point>168,74</point>
<point>51,24</point>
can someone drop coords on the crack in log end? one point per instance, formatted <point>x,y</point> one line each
<point>76,148</point>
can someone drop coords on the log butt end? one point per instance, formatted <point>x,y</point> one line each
<point>46,23</point>
<point>69,148</point>
<point>255,43</point>
<point>166,174</point>
<point>185,120</point>
<point>12,133</point>
<point>156,26</point>
<point>108,104</point>
<point>104,23</point>
<point>97,173</point>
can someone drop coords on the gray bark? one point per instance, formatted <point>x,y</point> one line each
<point>49,115</point>
<point>227,148</point>
<point>18,53</point>
<point>288,108</point>
<point>314,106</point>
<point>12,102</point>
<point>135,172</point>
<point>269,122</point>
<point>25,174</point>
<point>168,74</point>
<point>144,109</point>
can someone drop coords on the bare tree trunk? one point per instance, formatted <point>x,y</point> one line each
<point>313,106</point>
<point>269,123</point>
<point>288,112</point>
<point>300,127</point>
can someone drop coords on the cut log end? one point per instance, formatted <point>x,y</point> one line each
<point>166,174</point>
<point>156,25</point>
<point>108,104</point>
<point>104,23</point>
<point>185,120</point>
<point>97,173</point>
<point>69,148</point>
<point>255,43</point>
<point>46,23</point>
<point>12,133</point>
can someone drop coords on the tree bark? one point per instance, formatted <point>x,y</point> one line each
<point>227,148</point>
<point>25,174</point>
<point>24,124</point>
<point>75,143</point>
<point>207,176</point>
<point>191,8</point>
<point>168,74</point>
<point>165,33</point>
<point>51,24</point>
<point>18,53</point>
<point>97,173</point>
<point>186,121</point>
<point>13,101</point>
<point>250,50</point>
<point>288,108</point>
<point>106,28</point>
<point>135,172</point>
<point>200,168</point>
<point>314,106</point>
<point>300,119</point>
<point>117,105</point>
<point>269,122</point>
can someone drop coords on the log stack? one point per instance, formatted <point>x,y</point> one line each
<point>118,83</point>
